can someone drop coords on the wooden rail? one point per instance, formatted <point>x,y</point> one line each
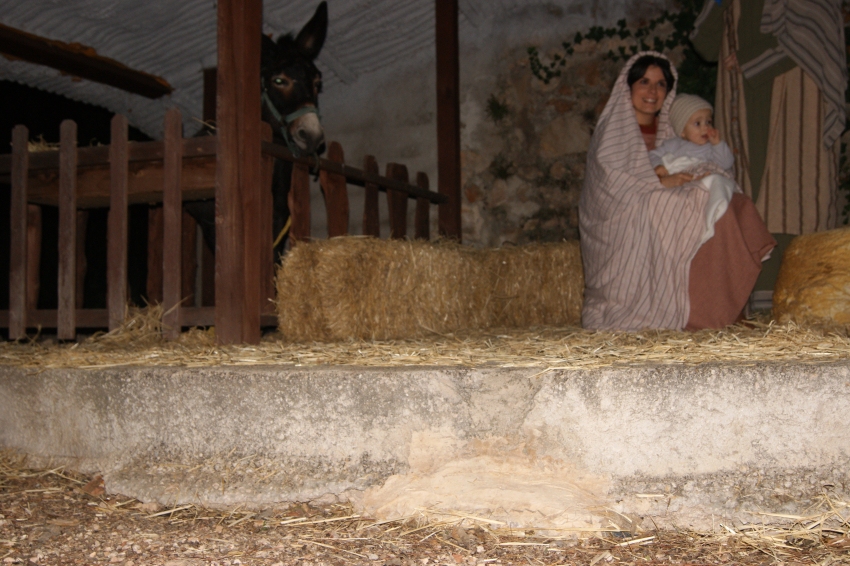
<point>169,172</point>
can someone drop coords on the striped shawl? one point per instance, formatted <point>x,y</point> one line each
<point>637,237</point>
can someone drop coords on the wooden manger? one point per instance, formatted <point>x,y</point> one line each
<point>169,172</point>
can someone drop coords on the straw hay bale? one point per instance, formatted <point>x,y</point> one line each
<point>813,286</point>
<point>536,285</point>
<point>366,288</point>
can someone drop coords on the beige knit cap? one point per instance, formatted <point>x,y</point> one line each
<point>683,107</point>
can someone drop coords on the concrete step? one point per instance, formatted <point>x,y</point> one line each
<point>611,448</point>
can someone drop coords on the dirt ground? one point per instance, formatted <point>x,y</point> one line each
<point>60,517</point>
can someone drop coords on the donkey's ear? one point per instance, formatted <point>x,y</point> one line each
<point>312,36</point>
<point>268,46</point>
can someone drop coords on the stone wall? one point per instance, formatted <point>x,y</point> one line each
<point>525,146</point>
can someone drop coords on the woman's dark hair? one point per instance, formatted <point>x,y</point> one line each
<point>638,70</point>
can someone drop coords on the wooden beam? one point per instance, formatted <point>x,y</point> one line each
<point>116,229</point>
<point>80,61</point>
<point>67,300</point>
<point>238,172</point>
<point>18,234</point>
<point>448,117</point>
<point>172,210</point>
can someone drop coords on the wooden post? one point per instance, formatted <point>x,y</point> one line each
<point>266,252</point>
<point>371,218</point>
<point>299,203</point>
<point>336,193</point>
<point>448,117</point>
<point>172,229</point>
<point>116,237</point>
<point>189,263</point>
<point>238,177</point>
<point>18,235</point>
<point>422,223</point>
<point>66,322</point>
<point>155,243</point>
<point>82,264</point>
<point>397,202</point>
<point>34,237</point>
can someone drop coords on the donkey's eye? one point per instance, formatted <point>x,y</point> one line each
<point>281,81</point>
<point>317,85</point>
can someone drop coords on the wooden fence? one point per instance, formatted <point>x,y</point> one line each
<point>169,172</point>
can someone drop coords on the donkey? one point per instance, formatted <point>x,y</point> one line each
<point>291,84</point>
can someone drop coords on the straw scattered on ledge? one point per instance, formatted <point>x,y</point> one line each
<point>138,342</point>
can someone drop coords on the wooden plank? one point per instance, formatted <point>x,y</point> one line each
<point>116,237</point>
<point>353,175</point>
<point>145,183</point>
<point>371,216</point>
<point>153,286</point>
<point>172,229</point>
<point>397,202</point>
<point>299,203</point>
<point>422,222</point>
<point>18,235</point>
<point>336,194</point>
<point>139,152</point>
<point>47,318</point>
<point>266,252</point>
<point>67,300</point>
<point>34,237</point>
<point>238,175</point>
<point>207,276</point>
<point>80,61</point>
<point>448,117</point>
<point>189,257</point>
<point>82,264</point>
<point>205,316</point>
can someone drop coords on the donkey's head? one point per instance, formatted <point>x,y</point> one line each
<point>292,83</point>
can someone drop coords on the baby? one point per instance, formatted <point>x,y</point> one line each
<point>700,152</point>
<point>698,143</point>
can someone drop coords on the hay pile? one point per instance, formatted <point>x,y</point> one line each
<point>366,288</point>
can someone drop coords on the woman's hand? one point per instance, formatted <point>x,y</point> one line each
<point>676,180</point>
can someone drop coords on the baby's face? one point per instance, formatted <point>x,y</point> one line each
<point>698,126</point>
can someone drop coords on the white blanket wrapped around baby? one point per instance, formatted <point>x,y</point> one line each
<point>711,177</point>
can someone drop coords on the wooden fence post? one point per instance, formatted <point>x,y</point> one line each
<point>34,238</point>
<point>18,228</point>
<point>66,322</point>
<point>238,172</point>
<point>336,193</point>
<point>422,223</point>
<point>299,203</point>
<point>397,202</point>
<point>172,229</point>
<point>266,252</point>
<point>155,244</point>
<point>116,238</point>
<point>371,217</point>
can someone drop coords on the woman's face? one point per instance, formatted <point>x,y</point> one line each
<point>648,95</point>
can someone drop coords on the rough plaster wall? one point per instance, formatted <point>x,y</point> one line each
<point>391,113</point>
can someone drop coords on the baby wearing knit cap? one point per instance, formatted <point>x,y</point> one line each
<point>700,152</point>
<point>699,141</point>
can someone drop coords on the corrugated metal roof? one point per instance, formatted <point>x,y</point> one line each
<point>176,40</point>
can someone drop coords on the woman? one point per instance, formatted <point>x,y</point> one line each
<point>644,264</point>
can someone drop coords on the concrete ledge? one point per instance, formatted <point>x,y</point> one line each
<point>685,446</point>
